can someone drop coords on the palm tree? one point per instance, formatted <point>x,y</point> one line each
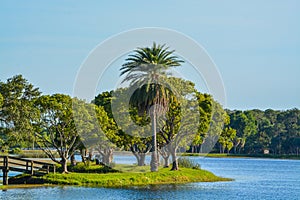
<point>146,69</point>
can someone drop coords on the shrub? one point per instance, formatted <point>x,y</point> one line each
<point>16,151</point>
<point>188,163</point>
<point>80,167</point>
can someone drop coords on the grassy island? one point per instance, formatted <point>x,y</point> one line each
<point>132,176</point>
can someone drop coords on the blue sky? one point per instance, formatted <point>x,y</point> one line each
<point>255,44</point>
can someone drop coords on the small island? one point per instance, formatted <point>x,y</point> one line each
<point>103,176</point>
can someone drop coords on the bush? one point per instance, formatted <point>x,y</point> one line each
<point>80,167</point>
<point>188,163</point>
<point>16,151</point>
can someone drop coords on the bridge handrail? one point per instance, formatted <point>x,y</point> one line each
<point>26,160</point>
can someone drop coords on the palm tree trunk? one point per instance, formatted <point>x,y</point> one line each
<point>154,162</point>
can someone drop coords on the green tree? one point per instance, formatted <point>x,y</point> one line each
<point>17,111</point>
<point>218,118</point>
<point>119,135</point>
<point>1,101</point>
<point>245,126</point>
<point>186,120</point>
<point>276,131</point>
<point>146,70</point>
<point>56,127</point>
<point>258,142</point>
<point>107,138</point>
<point>226,139</point>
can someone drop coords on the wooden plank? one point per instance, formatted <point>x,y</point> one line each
<point>26,160</point>
<point>9,163</point>
<point>34,161</point>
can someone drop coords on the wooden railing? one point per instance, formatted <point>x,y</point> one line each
<point>33,167</point>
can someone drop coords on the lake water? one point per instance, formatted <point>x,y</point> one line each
<point>254,179</point>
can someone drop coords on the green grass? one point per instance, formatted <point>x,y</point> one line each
<point>135,176</point>
<point>164,176</point>
<point>132,168</point>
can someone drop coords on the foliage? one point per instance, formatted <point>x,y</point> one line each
<point>91,168</point>
<point>59,128</point>
<point>188,163</point>
<point>1,100</point>
<point>17,111</point>
<point>118,133</point>
<point>186,120</point>
<point>256,131</point>
<point>17,151</point>
<point>226,139</point>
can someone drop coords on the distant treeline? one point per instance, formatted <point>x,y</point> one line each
<point>257,132</point>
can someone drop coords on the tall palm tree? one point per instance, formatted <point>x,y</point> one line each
<point>146,69</point>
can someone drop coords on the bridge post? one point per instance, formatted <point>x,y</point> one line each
<point>31,168</point>
<point>26,165</point>
<point>5,170</point>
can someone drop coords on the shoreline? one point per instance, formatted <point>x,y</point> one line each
<point>24,186</point>
<point>261,156</point>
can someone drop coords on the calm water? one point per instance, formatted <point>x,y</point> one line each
<point>254,179</point>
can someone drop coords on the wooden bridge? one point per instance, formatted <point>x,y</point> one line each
<point>33,167</point>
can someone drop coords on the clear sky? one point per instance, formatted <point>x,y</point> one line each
<point>255,44</point>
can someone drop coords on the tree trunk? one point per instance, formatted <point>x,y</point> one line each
<point>174,160</point>
<point>90,154</point>
<point>166,164</point>
<point>192,149</point>
<point>83,155</point>
<point>73,161</point>
<point>166,155</point>
<point>234,149</point>
<point>141,159</point>
<point>105,159</point>
<point>154,163</point>
<point>64,165</point>
<point>107,156</point>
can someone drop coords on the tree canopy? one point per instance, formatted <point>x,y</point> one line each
<point>17,110</point>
